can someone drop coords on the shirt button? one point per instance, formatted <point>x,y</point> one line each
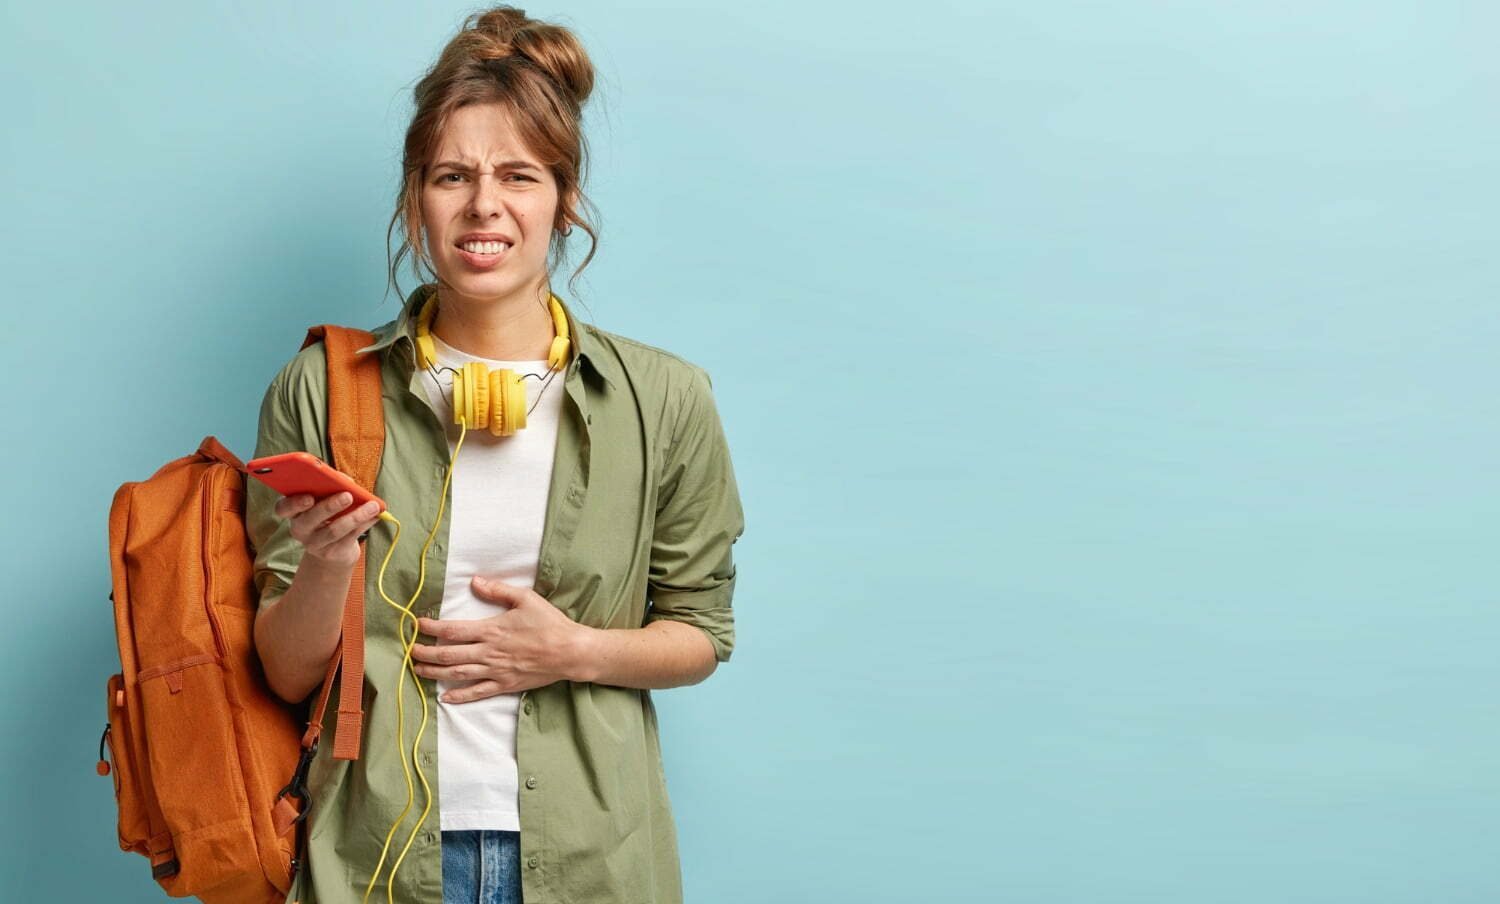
<point>427,758</point>
<point>527,708</point>
<point>531,781</point>
<point>533,862</point>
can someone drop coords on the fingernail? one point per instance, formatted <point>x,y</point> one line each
<point>345,498</point>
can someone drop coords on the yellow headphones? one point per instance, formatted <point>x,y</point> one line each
<point>474,388</point>
<point>485,398</point>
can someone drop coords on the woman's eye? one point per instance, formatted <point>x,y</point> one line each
<point>458,176</point>
<point>445,176</point>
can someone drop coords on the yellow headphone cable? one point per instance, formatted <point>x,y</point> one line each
<point>474,389</point>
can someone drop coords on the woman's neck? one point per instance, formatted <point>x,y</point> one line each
<point>512,329</point>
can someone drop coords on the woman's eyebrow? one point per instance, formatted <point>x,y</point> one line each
<point>504,164</point>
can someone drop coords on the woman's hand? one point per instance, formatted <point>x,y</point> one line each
<point>329,540</point>
<point>531,644</point>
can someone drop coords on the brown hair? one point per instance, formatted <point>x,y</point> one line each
<point>540,73</point>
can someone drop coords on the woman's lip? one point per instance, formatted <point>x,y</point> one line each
<point>482,261</point>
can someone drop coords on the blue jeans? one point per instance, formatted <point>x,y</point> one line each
<point>481,867</point>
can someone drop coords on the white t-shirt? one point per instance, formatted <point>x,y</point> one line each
<point>499,499</point>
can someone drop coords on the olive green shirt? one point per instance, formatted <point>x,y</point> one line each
<point>641,516</point>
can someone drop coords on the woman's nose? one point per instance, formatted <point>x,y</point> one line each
<point>486,199</point>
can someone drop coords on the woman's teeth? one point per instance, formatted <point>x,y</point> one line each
<point>484,247</point>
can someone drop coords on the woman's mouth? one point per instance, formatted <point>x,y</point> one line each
<point>483,255</point>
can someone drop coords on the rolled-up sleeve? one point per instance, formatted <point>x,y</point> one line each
<point>698,520</point>
<point>289,422</point>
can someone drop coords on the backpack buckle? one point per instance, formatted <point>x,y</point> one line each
<point>297,787</point>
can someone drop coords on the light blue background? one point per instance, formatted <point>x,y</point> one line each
<point>1111,389</point>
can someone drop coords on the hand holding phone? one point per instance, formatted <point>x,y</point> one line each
<point>330,511</point>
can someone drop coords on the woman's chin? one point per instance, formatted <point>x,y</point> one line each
<point>481,285</point>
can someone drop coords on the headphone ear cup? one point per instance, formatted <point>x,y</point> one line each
<point>497,395</point>
<point>508,395</point>
<point>471,395</point>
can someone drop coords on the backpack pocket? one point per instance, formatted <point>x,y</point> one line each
<point>130,796</point>
<point>195,771</point>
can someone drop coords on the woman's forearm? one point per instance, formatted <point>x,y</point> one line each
<point>297,634</point>
<point>662,654</point>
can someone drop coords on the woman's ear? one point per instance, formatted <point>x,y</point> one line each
<point>570,202</point>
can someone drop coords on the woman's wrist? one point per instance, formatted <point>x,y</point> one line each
<point>579,656</point>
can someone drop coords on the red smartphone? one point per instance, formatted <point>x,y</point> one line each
<point>295,473</point>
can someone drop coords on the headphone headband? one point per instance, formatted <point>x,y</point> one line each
<point>557,355</point>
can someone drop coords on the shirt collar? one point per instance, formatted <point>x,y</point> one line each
<point>401,333</point>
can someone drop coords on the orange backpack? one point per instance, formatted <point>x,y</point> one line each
<point>210,766</point>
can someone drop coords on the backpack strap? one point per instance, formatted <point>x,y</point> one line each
<point>356,433</point>
<point>213,450</point>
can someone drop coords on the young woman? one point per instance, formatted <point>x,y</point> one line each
<point>567,541</point>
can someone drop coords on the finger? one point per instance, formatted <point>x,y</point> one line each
<point>367,524</point>
<point>355,522</point>
<point>494,586</point>
<point>305,525</point>
<point>476,691</point>
<point>448,653</point>
<point>497,591</point>
<point>453,628</point>
<point>466,672</point>
<point>287,506</point>
<point>330,506</point>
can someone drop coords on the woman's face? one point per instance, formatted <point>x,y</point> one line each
<point>484,185</point>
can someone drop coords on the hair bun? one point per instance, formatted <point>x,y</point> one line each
<point>504,31</point>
